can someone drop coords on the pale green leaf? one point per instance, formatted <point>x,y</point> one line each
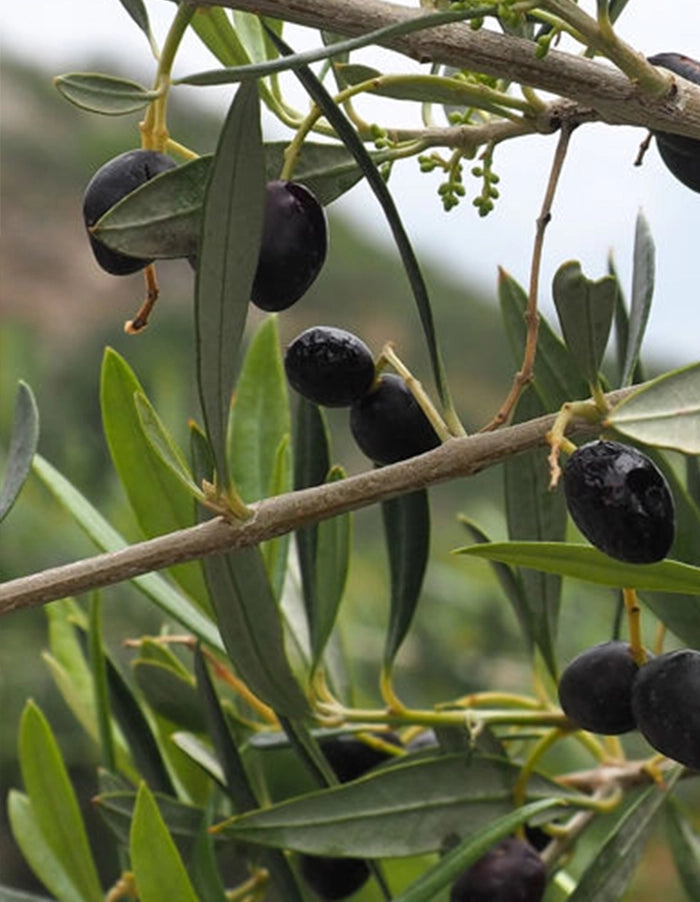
<point>104,94</point>
<point>586,563</point>
<point>642,292</point>
<point>54,804</point>
<point>665,412</point>
<point>159,870</point>
<point>23,442</point>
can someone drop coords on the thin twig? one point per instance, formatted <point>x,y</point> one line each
<point>532,317</point>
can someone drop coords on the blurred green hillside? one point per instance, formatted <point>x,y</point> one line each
<point>58,311</point>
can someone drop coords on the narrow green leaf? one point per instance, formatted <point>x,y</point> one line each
<point>333,542</point>
<point>203,866</point>
<point>237,783</point>
<point>692,468</point>
<point>260,416</point>
<point>462,856</point>
<point>169,694</point>
<point>665,412</point>
<point>98,672</point>
<point>214,29</point>
<point>684,841</point>
<point>585,309</point>
<point>508,578</point>
<point>104,94</point>
<point>162,218</point>
<point>311,466</point>
<point>407,538</point>
<point>406,809</point>
<point>137,732</point>
<point>159,870</point>
<point>298,60</point>
<point>352,141</point>
<point>586,563</point>
<point>159,496</point>
<point>39,853</point>
<point>275,552</point>
<point>556,376</point>
<point>137,10</point>
<point>228,255</point>
<point>116,807</point>
<point>642,292</point>
<point>608,875</point>
<point>535,513</point>
<point>327,170</point>
<point>23,442</point>
<point>168,598</point>
<point>164,445</point>
<point>251,628</point>
<point>7,894</point>
<point>53,802</point>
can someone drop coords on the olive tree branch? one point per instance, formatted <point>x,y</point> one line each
<point>652,99</point>
<point>271,517</point>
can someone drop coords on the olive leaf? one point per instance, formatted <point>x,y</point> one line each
<point>586,563</point>
<point>406,522</point>
<point>23,442</point>
<point>158,868</point>
<point>227,261</point>
<point>664,412</point>
<point>585,309</point>
<point>642,292</point>
<point>105,94</point>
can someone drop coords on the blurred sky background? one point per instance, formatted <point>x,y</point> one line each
<point>597,201</point>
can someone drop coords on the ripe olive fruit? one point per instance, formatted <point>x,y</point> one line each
<point>113,181</point>
<point>666,705</point>
<point>620,501</point>
<point>595,689</point>
<point>350,757</point>
<point>331,877</point>
<point>510,871</point>
<point>293,246</point>
<point>680,154</point>
<point>329,366</point>
<point>389,425</point>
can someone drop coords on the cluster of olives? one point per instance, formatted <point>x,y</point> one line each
<point>605,691</point>
<point>335,368</point>
<point>622,503</point>
<point>332,877</point>
<point>294,238</point>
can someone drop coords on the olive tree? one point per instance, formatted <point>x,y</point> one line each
<point>395,801</point>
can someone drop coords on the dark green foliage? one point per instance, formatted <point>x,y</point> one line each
<point>680,153</point>
<point>113,181</point>
<point>595,689</point>
<point>293,247</point>
<point>389,425</point>
<point>665,697</point>
<point>329,366</point>
<point>620,501</point>
<point>509,872</point>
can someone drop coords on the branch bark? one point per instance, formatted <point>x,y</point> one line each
<point>596,86</point>
<point>284,513</point>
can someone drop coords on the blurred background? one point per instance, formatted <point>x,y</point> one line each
<point>58,311</point>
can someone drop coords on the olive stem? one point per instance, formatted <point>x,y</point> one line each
<point>532,318</point>
<point>634,615</point>
<point>550,738</point>
<point>143,314</point>
<point>390,356</point>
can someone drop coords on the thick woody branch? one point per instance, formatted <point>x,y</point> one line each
<point>283,514</point>
<point>615,98</point>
